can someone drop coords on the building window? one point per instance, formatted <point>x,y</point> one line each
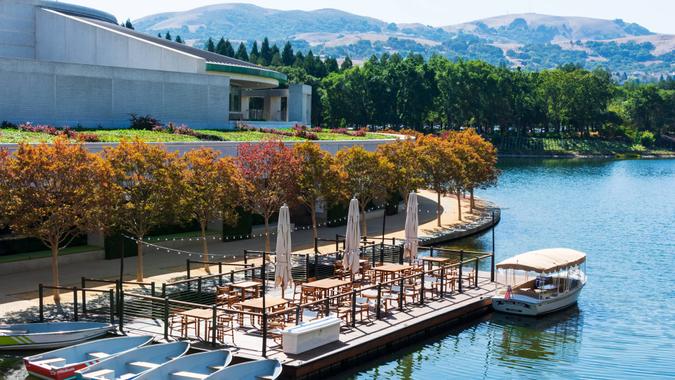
<point>235,99</point>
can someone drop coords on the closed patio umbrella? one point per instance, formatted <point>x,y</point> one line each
<point>282,273</point>
<point>350,261</point>
<point>411,227</point>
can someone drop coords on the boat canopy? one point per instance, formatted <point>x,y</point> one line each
<point>544,260</point>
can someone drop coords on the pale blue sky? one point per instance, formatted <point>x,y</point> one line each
<point>656,15</point>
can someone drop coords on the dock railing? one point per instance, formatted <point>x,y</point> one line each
<point>96,309</point>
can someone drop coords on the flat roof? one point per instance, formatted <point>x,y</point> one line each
<point>214,62</point>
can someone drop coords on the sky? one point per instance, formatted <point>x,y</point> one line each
<point>655,15</point>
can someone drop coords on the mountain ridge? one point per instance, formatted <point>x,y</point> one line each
<point>531,40</point>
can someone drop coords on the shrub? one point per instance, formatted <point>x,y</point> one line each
<point>317,130</point>
<point>65,132</point>
<point>8,125</point>
<point>647,139</point>
<point>147,122</point>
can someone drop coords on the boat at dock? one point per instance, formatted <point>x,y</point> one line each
<point>540,282</point>
<point>61,364</point>
<point>268,369</point>
<point>190,367</point>
<point>34,336</point>
<point>134,363</point>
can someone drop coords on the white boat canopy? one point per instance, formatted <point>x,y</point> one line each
<point>544,260</point>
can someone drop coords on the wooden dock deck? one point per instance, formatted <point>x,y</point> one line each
<point>367,339</point>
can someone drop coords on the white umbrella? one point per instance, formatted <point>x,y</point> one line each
<point>350,261</point>
<point>411,227</point>
<point>282,273</point>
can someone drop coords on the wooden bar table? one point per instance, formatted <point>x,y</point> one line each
<point>394,270</point>
<point>256,304</point>
<point>432,260</point>
<point>198,315</point>
<point>326,286</point>
<point>243,286</point>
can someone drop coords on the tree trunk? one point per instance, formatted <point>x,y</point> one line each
<point>438,209</point>
<point>312,209</point>
<point>472,203</point>
<point>459,204</point>
<point>205,247</point>
<point>267,233</point>
<point>55,271</point>
<point>139,259</point>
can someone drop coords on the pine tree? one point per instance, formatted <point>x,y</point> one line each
<point>265,52</point>
<point>228,50</point>
<point>255,54</point>
<point>276,60</point>
<point>299,60</point>
<point>159,35</point>
<point>129,25</point>
<point>210,46</point>
<point>168,36</point>
<point>179,40</point>
<point>220,47</point>
<point>346,64</point>
<point>241,54</point>
<point>332,65</point>
<point>287,57</point>
<point>275,50</point>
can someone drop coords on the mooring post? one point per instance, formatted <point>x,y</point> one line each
<point>41,305</point>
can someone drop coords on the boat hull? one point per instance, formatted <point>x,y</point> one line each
<point>533,307</point>
<point>53,339</point>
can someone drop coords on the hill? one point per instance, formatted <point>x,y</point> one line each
<point>530,40</point>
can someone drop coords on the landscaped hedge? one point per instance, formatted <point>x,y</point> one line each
<point>242,229</point>
<point>12,245</point>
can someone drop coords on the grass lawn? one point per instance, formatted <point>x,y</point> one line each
<point>545,145</point>
<point>46,253</point>
<point>116,135</point>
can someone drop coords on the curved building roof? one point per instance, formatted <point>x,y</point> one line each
<point>78,10</point>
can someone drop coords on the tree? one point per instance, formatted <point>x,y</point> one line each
<point>255,54</point>
<point>152,190</point>
<point>128,24</point>
<point>241,53</point>
<point>276,60</point>
<point>440,166</point>
<point>271,168</point>
<point>53,192</point>
<point>266,52</point>
<point>179,40</point>
<point>287,56</point>
<point>346,64</point>
<point>168,36</point>
<point>210,46</point>
<point>213,188</point>
<point>331,65</point>
<point>406,174</point>
<point>368,177</point>
<point>224,47</point>
<point>479,157</point>
<point>319,178</point>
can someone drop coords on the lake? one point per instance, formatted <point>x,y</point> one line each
<point>622,214</point>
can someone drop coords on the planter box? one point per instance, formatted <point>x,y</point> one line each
<point>310,335</point>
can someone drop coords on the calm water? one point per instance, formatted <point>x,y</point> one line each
<point>622,214</point>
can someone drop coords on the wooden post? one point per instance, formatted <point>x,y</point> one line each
<point>214,325</point>
<point>166,318</point>
<point>42,304</point>
<point>75,303</point>
<point>461,264</point>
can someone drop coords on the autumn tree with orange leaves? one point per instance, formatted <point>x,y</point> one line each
<point>54,192</point>
<point>407,173</point>
<point>272,170</point>
<point>151,190</point>
<point>213,188</point>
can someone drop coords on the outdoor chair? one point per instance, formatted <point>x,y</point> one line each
<point>224,325</point>
<point>362,305</point>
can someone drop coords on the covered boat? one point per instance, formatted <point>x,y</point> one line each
<point>132,364</point>
<point>268,369</point>
<point>33,336</point>
<point>540,282</point>
<point>62,363</point>
<point>190,367</point>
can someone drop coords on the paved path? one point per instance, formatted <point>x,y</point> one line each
<point>19,290</point>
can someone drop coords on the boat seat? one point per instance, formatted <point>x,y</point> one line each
<point>185,375</point>
<point>215,368</point>
<point>53,362</point>
<point>128,376</point>
<point>107,374</point>
<point>98,355</point>
<point>143,366</point>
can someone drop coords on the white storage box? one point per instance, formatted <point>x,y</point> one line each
<point>310,335</point>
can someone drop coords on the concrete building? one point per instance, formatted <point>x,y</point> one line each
<point>63,64</point>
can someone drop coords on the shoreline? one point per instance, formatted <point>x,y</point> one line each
<point>618,156</point>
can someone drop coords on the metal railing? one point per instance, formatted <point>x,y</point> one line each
<point>96,309</point>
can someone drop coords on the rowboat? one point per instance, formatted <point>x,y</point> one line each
<point>540,282</point>
<point>62,363</point>
<point>32,336</point>
<point>131,364</point>
<point>190,367</point>
<point>268,369</point>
